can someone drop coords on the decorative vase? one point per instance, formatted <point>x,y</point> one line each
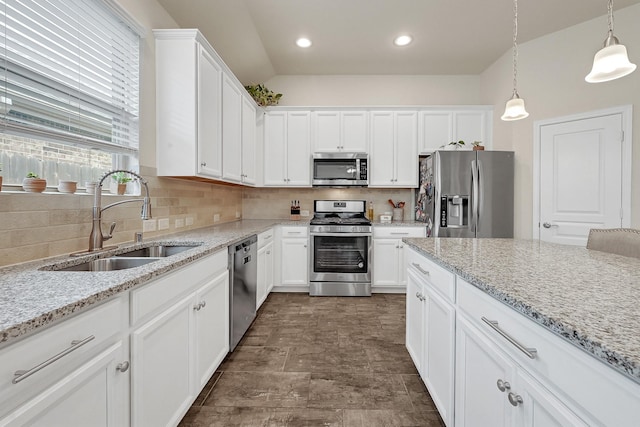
<point>69,187</point>
<point>122,188</point>
<point>34,185</point>
<point>478,148</point>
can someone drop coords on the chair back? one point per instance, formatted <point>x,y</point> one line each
<point>621,241</point>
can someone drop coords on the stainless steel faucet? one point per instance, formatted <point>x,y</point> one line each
<point>97,238</point>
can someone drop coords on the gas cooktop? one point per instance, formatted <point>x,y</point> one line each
<point>339,212</point>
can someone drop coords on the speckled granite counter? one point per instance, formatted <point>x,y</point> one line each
<point>588,297</point>
<point>31,299</point>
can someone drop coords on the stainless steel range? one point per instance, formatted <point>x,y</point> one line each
<point>340,255</point>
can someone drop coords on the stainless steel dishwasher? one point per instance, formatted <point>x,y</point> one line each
<point>243,278</point>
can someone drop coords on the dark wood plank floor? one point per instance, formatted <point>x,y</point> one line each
<point>319,361</point>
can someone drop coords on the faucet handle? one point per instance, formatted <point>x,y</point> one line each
<point>110,235</point>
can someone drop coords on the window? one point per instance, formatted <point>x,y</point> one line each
<point>69,89</point>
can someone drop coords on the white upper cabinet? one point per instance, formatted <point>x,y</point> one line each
<point>335,131</point>
<point>440,127</point>
<point>393,157</point>
<point>231,131</point>
<point>202,121</point>
<point>287,158</point>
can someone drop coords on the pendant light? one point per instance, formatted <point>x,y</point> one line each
<point>514,110</point>
<point>611,62</point>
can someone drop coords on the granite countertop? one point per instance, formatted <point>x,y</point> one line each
<point>590,298</point>
<point>399,224</point>
<point>31,298</point>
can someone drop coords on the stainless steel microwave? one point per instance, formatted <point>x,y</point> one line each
<point>340,169</point>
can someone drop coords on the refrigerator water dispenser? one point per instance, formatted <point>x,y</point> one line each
<point>455,211</point>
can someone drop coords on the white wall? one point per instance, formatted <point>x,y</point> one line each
<point>376,90</point>
<point>551,72</point>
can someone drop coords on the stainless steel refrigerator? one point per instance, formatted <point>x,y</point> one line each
<point>466,193</point>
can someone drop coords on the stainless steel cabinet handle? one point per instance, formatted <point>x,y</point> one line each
<point>549,225</point>
<point>420,269</point>
<point>203,164</point>
<point>530,352</point>
<point>203,304</point>
<point>268,252</point>
<point>75,344</point>
<point>515,399</point>
<point>123,366</point>
<point>418,295</point>
<point>399,233</point>
<point>197,307</point>
<point>503,385</point>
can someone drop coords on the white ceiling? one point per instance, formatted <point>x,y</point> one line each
<point>256,37</point>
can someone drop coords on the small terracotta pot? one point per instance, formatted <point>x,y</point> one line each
<point>122,188</point>
<point>478,148</point>
<point>34,185</point>
<point>67,187</point>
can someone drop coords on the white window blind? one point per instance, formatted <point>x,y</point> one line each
<point>70,74</point>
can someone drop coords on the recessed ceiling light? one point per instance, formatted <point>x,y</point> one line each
<point>303,42</point>
<point>402,40</point>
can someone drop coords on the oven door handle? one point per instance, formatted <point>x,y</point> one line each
<point>348,234</point>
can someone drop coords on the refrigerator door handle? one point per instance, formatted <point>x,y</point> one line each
<point>475,194</point>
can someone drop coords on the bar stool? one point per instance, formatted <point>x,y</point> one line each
<point>620,241</point>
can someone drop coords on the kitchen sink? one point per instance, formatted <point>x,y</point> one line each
<point>110,264</point>
<point>157,251</point>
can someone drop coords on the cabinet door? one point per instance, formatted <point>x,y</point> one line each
<point>326,131</point>
<point>406,157</point>
<point>415,328</point>
<point>162,377</point>
<point>435,130</point>
<point>95,394</point>
<point>470,126</point>
<point>354,132</point>
<point>382,158</point>
<point>298,146</point>
<point>386,268</point>
<point>269,267</point>
<point>294,262</point>
<point>231,131</point>
<point>212,328</point>
<point>439,353</point>
<point>261,288</point>
<point>539,408</point>
<point>275,157</point>
<point>248,142</point>
<point>209,115</point>
<point>479,366</point>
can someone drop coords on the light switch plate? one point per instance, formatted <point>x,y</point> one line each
<point>216,217</point>
<point>163,223</point>
<point>179,222</point>
<point>304,213</point>
<point>149,225</point>
<point>189,220</point>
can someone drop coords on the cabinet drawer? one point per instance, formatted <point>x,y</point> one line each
<point>159,293</point>
<point>264,238</point>
<point>438,278</point>
<point>585,384</point>
<point>380,232</point>
<point>295,231</point>
<point>58,350</point>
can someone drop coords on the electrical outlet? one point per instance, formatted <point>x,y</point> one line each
<point>189,220</point>
<point>148,225</point>
<point>163,223</point>
<point>304,213</point>
<point>216,217</point>
<point>179,222</point>
<point>238,214</point>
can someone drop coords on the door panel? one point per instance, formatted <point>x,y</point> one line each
<point>580,178</point>
<point>495,201</point>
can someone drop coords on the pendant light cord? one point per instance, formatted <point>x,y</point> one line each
<point>610,16</point>
<point>515,47</point>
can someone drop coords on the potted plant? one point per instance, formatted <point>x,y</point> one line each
<point>121,178</point>
<point>477,146</point>
<point>33,183</point>
<point>263,96</point>
<point>453,145</point>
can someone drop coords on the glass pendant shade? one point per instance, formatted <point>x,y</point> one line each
<point>514,110</point>
<point>610,63</point>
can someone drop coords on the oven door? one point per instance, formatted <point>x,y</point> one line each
<point>340,257</point>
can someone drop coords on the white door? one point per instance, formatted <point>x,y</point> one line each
<point>581,178</point>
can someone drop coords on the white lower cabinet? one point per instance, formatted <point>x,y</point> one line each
<point>180,336</point>
<point>293,258</point>
<point>265,266</point>
<point>389,266</point>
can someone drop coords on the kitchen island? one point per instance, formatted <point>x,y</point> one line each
<point>571,298</point>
